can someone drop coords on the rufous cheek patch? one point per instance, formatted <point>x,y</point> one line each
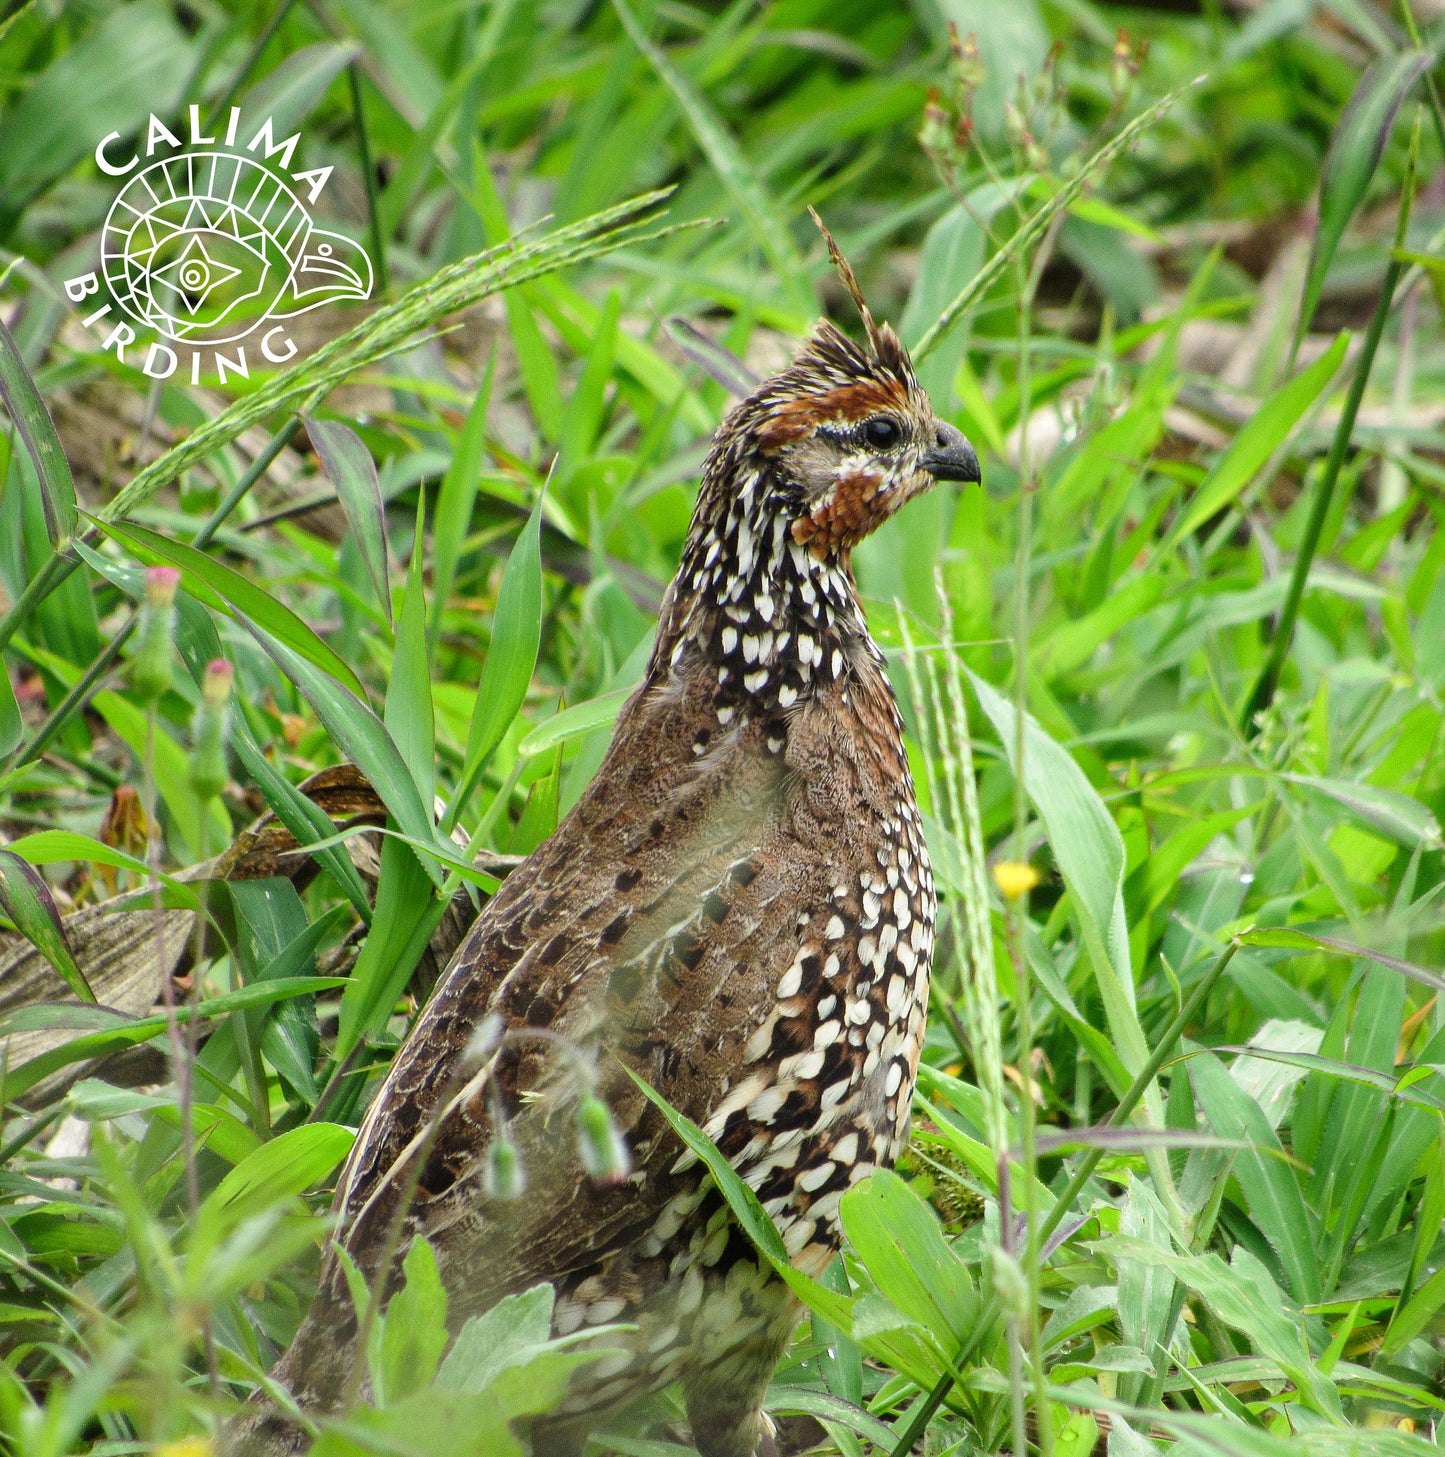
<point>843,517</point>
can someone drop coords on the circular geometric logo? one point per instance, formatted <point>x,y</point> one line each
<point>205,246</point>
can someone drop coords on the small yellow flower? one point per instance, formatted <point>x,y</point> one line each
<point>186,1447</point>
<point>1014,879</point>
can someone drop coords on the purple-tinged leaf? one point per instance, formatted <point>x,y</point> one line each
<point>26,899</point>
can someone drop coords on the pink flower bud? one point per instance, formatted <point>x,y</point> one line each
<point>216,685</point>
<point>161,584</point>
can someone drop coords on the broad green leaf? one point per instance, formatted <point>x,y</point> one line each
<point>272,938</point>
<point>414,1332</point>
<point>1090,856</point>
<point>1355,151</point>
<point>47,847</point>
<point>1158,877</point>
<point>134,60</point>
<point>507,672</point>
<point>1397,816</point>
<point>37,430</point>
<point>831,1408</point>
<point>1269,1184</point>
<point>26,899</point>
<point>289,93</point>
<point>898,1238</point>
<point>226,590</point>
<point>430,1424</point>
<point>350,468</point>
<point>286,1166</point>
<point>1243,1295</point>
<point>1260,436</point>
<point>1073,643</point>
<point>500,1337</point>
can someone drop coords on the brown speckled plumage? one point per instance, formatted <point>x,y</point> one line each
<point>740,909</point>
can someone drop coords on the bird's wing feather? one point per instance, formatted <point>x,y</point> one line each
<point>666,962</point>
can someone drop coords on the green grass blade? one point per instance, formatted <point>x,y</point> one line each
<point>1355,152</point>
<point>1268,1182</point>
<point>306,820</point>
<point>37,430</point>
<point>104,1041</point>
<point>451,289</point>
<point>408,714</point>
<point>350,468</point>
<point>1264,432</point>
<point>1090,856</point>
<point>362,737</point>
<point>456,498</point>
<point>507,672</point>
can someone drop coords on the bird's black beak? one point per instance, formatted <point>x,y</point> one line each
<point>952,457</point>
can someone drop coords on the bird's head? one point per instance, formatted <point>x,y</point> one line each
<point>847,436</point>
<point>828,449</point>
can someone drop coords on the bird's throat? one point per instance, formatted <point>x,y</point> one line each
<point>771,619</point>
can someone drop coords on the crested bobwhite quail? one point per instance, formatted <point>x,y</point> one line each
<point>740,909</point>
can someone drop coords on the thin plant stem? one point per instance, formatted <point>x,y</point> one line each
<point>192,1036</point>
<point>180,1066</point>
<point>1265,687</point>
<point>970,907</point>
<point>78,695</point>
<point>248,478</point>
<point>429,919</point>
<point>248,64</point>
<point>1016,908</point>
<point>1013,1320</point>
<point>368,174</point>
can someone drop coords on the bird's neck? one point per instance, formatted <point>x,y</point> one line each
<point>775,622</point>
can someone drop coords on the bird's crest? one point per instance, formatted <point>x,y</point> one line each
<point>886,347</point>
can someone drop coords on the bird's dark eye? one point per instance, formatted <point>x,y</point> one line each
<point>882,432</point>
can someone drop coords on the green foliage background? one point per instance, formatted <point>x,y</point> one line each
<point>1200,599</point>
